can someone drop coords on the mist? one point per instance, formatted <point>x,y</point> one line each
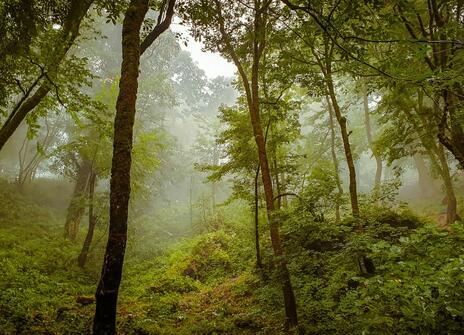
<point>245,167</point>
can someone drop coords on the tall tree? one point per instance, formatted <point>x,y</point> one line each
<point>221,26</point>
<point>108,287</point>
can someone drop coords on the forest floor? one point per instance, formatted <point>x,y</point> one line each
<point>191,288</point>
<point>208,284</point>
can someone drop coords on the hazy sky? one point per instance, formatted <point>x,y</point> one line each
<point>212,63</point>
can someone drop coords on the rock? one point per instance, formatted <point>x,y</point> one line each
<point>85,300</point>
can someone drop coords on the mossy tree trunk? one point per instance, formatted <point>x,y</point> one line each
<point>104,322</point>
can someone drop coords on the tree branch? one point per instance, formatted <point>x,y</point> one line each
<point>160,27</point>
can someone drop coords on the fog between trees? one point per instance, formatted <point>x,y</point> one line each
<point>315,191</point>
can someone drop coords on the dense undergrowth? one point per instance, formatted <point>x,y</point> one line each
<point>208,284</point>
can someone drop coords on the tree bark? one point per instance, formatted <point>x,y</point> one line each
<point>82,259</point>
<point>346,146</point>
<point>107,292</point>
<point>253,102</point>
<point>335,161</point>
<point>259,263</point>
<point>108,287</point>
<point>254,109</point>
<point>277,180</point>
<point>76,207</point>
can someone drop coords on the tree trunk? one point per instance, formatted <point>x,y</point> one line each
<point>259,263</point>
<point>107,292</point>
<point>335,161</point>
<point>254,109</point>
<point>347,148</point>
<point>253,102</point>
<point>213,183</point>
<point>370,141</point>
<point>277,181</point>
<point>289,296</point>
<point>438,159</point>
<point>283,186</point>
<point>76,207</point>
<point>82,259</point>
<point>452,136</point>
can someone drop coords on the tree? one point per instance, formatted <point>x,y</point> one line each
<point>45,81</point>
<point>220,24</point>
<point>428,33</point>
<point>108,286</point>
<point>410,127</point>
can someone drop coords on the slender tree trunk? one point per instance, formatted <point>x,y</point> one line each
<point>76,206</point>
<point>82,259</point>
<point>289,297</point>
<point>259,263</point>
<point>107,292</point>
<point>283,186</point>
<point>277,181</point>
<point>452,136</point>
<point>347,148</point>
<point>252,96</point>
<point>335,161</point>
<point>370,141</point>
<point>254,108</point>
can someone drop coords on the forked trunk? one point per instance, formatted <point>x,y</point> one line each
<point>252,96</point>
